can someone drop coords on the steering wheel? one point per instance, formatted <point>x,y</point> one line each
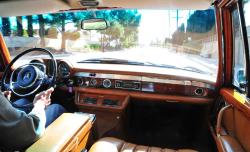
<point>27,79</point>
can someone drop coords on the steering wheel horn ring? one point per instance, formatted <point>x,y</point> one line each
<point>29,78</point>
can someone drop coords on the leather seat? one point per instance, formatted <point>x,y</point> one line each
<point>110,144</point>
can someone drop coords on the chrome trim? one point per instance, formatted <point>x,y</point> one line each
<point>109,76</point>
<point>145,79</point>
<point>202,85</point>
<point>158,80</point>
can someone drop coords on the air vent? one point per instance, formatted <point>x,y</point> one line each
<point>110,102</point>
<point>90,100</point>
<point>199,91</point>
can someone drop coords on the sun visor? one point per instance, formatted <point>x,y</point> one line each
<point>142,4</point>
<point>30,7</point>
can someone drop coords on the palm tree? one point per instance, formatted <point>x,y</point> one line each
<point>19,20</point>
<point>6,26</point>
<point>41,29</point>
<point>63,44</point>
<point>30,26</point>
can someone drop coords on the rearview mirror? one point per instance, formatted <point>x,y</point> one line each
<point>94,24</point>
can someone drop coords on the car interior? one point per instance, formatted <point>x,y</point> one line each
<point>134,76</point>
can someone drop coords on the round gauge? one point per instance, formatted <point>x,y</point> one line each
<point>63,70</point>
<point>106,83</point>
<point>79,81</point>
<point>39,64</point>
<point>93,82</point>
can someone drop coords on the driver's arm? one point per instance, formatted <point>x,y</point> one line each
<point>18,129</point>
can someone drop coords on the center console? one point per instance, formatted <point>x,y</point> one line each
<point>109,108</point>
<point>101,101</point>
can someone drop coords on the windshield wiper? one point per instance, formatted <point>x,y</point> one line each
<point>161,65</point>
<point>111,61</point>
<point>193,69</point>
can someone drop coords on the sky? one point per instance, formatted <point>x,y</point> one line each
<point>160,24</point>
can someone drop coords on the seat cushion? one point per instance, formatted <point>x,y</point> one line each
<point>110,144</point>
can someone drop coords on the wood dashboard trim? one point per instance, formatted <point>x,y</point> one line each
<point>142,95</point>
<point>156,72</point>
<point>143,79</point>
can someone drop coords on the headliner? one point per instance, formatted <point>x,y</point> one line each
<point>30,7</point>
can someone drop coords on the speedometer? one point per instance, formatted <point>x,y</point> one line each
<point>39,64</point>
<point>63,70</point>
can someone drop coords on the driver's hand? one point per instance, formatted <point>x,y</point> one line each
<point>7,94</point>
<point>43,98</point>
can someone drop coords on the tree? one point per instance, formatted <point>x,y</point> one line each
<point>63,44</point>
<point>60,20</point>
<point>178,36</point>
<point>201,21</point>
<point>41,22</point>
<point>30,26</point>
<point>6,26</point>
<point>124,24</point>
<point>19,21</point>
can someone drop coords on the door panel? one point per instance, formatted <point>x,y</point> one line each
<point>233,131</point>
<point>238,100</point>
<point>242,129</point>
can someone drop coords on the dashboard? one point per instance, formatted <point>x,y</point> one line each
<point>69,76</point>
<point>78,77</point>
<point>95,87</point>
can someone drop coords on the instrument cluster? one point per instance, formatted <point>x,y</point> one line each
<point>63,70</point>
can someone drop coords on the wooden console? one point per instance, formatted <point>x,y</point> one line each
<point>69,132</point>
<point>101,101</point>
<point>108,107</point>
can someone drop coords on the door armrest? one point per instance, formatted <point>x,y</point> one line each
<point>229,144</point>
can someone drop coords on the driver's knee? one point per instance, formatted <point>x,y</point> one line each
<point>23,104</point>
<point>53,112</point>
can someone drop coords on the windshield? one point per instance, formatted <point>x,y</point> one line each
<point>183,39</point>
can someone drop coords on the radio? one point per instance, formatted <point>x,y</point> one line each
<point>130,85</point>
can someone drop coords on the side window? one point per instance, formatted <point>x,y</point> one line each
<point>246,8</point>
<point>239,60</point>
